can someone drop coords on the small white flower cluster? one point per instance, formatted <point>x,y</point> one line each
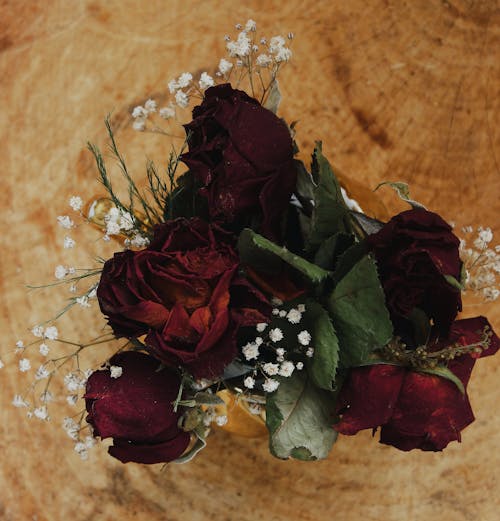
<point>18,401</point>
<point>65,221</point>
<point>482,263</point>
<point>120,222</point>
<point>116,371</point>
<point>69,243</point>
<point>71,428</point>
<point>269,341</point>
<point>42,372</point>
<point>76,203</point>
<point>141,113</point>
<point>50,332</point>
<point>201,384</point>
<point>60,271</point>
<point>82,445</point>
<point>83,301</point>
<point>76,380</point>
<point>41,413</point>
<point>263,54</point>
<point>24,364</point>
<point>210,416</point>
<point>137,241</point>
<point>182,89</point>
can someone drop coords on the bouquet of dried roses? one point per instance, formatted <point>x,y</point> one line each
<point>253,280</point>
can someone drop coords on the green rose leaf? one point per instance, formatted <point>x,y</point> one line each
<point>235,369</point>
<point>452,281</point>
<point>299,417</point>
<point>348,259</point>
<point>403,192</point>
<point>357,305</point>
<point>273,98</point>
<point>259,252</point>
<point>328,253</point>
<point>305,183</point>
<point>323,366</point>
<point>444,372</point>
<point>330,214</point>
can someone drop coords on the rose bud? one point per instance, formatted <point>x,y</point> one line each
<point>242,154</point>
<point>136,410</point>
<point>415,410</point>
<point>415,250</point>
<point>184,292</point>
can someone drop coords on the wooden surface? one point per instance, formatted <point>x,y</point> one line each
<point>397,89</point>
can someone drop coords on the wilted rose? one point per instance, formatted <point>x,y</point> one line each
<point>136,409</point>
<point>415,410</point>
<point>184,292</point>
<point>242,154</point>
<point>415,251</point>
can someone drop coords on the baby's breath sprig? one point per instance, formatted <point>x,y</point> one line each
<point>37,401</point>
<point>481,264</point>
<point>82,300</point>
<point>279,348</point>
<point>257,59</point>
<point>74,428</point>
<point>252,61</point>
<point>61,273</point>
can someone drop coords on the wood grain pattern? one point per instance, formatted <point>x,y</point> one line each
<point>397,89</point>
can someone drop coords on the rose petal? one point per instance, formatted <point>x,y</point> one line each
<point>149,454</point>
<point>368,398</point>
<point>137,405</point>
<point>430,409</point>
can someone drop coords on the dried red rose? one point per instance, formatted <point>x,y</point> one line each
<point>136,410</point>
<point>243,155</point>
<point>415,250</point>
<point>184,292</point>
<point>415,410</point>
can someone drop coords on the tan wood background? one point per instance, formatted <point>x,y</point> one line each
<point>397,89</point>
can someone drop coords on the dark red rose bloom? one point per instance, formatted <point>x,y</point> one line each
<point>415,250</point>
<point>242,154</point>
<point>184,292</point>
<point>136,410</point>
<point>414,410</point>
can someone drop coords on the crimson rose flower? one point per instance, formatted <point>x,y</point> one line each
<point>184,292</point>
<point>136,410</point>
<point>415,410</point>
<point>415,250</point>
<point>242,154</point>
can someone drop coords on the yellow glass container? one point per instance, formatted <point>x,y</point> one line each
<point>240,420</point>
